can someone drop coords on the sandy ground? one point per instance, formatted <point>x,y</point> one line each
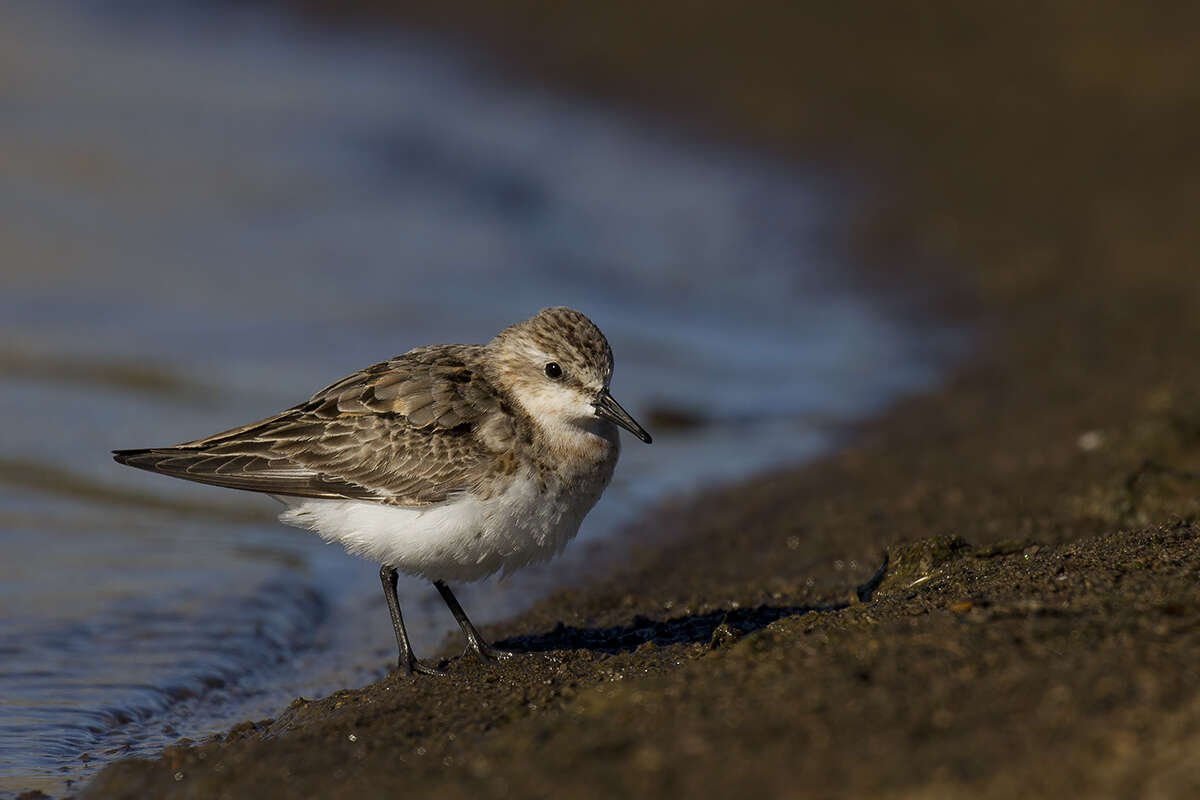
<point>1038,629</point>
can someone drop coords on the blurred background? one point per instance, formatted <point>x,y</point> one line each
<point>211,210</point>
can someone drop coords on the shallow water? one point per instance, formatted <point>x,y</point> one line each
<point>207,216</point>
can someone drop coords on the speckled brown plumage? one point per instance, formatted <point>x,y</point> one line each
<point>411,430</point>
<point>569,333</point>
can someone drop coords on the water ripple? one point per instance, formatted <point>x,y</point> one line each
<point>64,701</point>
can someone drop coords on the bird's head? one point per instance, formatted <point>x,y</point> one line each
<point>557,365</point>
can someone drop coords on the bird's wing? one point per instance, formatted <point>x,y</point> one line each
<point>402,431</point>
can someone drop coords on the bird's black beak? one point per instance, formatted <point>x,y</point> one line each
<point>609,409</point>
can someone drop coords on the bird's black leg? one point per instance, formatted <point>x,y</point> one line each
<point>482,649</point>
<point>408,662</point>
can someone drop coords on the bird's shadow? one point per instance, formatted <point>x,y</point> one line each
<point>688,629</point>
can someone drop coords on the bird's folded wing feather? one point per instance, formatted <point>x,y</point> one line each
<point>402,431</point>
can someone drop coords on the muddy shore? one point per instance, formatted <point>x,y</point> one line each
<point>1037,631</point>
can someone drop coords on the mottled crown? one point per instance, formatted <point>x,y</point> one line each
<point>565,334</point>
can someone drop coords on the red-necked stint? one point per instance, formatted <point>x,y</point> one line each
<point>450,462</point>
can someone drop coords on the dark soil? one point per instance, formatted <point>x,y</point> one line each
<point>1037,631</point>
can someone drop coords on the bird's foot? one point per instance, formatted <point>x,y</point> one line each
<point>416,666</point>
<point>485,652</point>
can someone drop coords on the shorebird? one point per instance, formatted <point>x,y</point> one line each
<point>449,462</point>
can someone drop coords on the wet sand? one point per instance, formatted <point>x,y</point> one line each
<point>1037,631</point>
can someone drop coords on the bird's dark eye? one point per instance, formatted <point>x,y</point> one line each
<point>553,371</point>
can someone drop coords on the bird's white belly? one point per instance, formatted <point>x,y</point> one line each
<point>462,539</point>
